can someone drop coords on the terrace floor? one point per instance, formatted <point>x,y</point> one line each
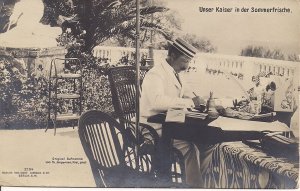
<point>35,152</point>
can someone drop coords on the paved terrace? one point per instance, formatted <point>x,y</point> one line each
<point>32,149</point>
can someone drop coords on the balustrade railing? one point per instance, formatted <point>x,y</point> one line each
<point>115,54</point>
<point>233,75</point>
<point>210,62</point>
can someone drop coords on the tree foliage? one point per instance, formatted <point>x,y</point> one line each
<point>293,57</point>
<point>263,52</point>
<point>203,45</point>
<point>6,8</point>
<point>53,9</point>
<point>100,20</point>
<point>170,23</point>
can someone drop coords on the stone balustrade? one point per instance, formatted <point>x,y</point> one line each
<point>114,54</point>
<point>207,61</point>
<point>34,60</point>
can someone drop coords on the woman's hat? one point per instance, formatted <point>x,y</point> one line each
<point>184,47</point>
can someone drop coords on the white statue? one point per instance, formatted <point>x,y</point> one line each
<point>29,32</point>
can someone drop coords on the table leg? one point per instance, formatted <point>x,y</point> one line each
<point>164,156</point>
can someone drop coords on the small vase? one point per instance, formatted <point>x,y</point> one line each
<point>211,107</point>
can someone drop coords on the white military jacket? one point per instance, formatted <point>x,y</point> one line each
<point>161,90</point>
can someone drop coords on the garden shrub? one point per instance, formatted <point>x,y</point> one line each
<point>24,99</point>
<point>10,84</point>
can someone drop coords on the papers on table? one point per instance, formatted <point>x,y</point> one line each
<point>196,115</point>
<point>230,124</point>
<point>178,115</point>
<point>175,115</point>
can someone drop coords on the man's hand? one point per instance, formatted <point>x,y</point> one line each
<point>198,101</point>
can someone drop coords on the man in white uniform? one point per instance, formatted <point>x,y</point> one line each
<point>162,89</point>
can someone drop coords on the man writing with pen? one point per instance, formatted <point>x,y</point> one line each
<point>163,88</point>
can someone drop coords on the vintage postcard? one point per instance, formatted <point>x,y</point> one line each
<point>86,85</point>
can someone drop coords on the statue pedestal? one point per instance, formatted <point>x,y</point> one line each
<point>35,60</point>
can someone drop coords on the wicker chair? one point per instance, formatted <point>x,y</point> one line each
<point>122,82</point>
<point>105,143</point>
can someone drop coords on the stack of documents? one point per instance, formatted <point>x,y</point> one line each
<point>196,115</point>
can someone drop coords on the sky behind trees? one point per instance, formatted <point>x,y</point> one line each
<point>231,32</point>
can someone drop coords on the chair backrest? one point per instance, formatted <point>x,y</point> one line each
<point>103,139</point>
<point>122,81</point>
